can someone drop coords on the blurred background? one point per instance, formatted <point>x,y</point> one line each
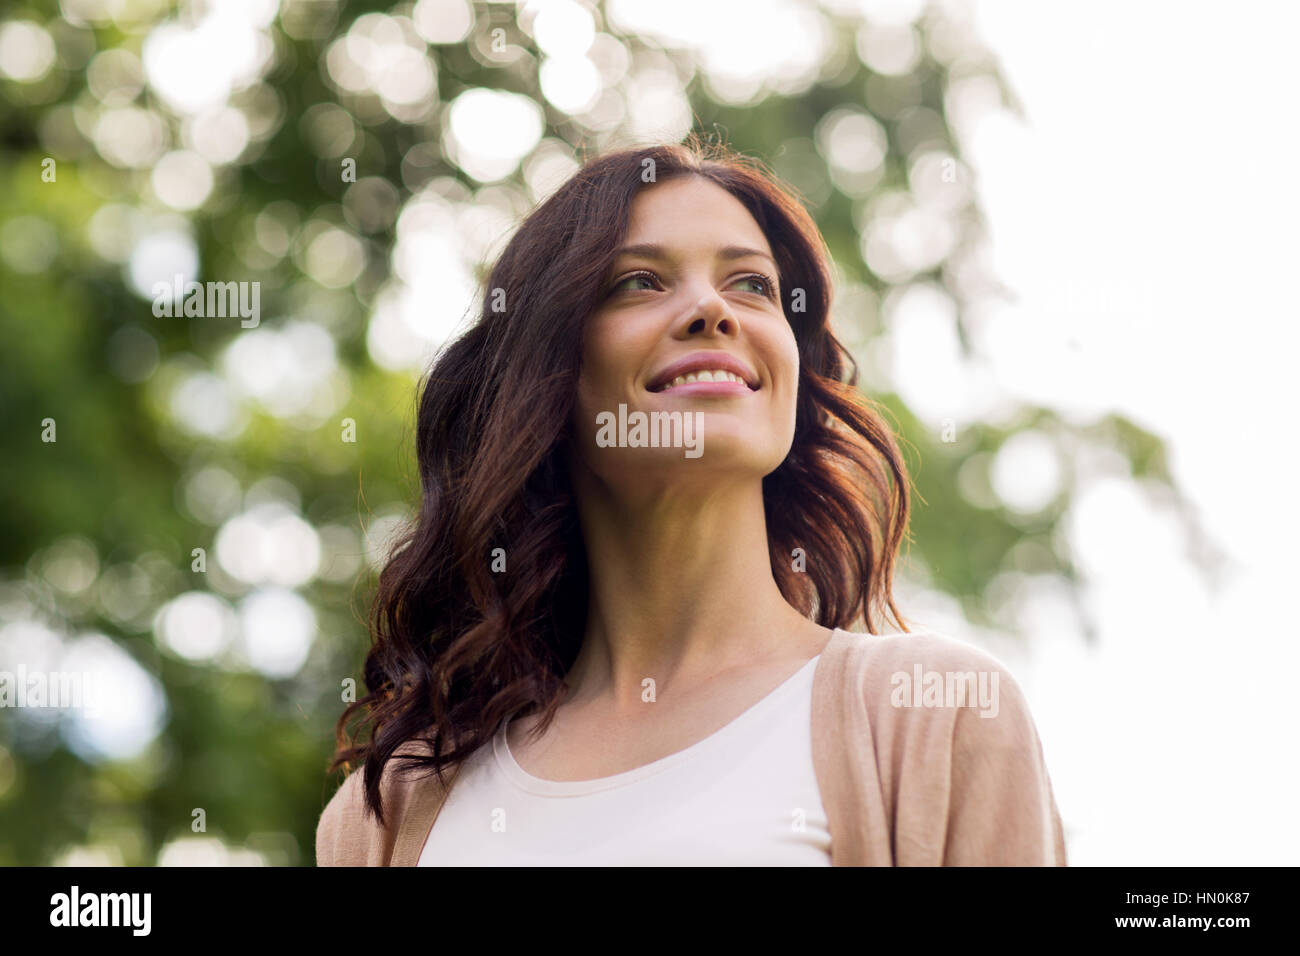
<point>1063,236</point>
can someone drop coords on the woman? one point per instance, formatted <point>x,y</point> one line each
<point>651,505</point>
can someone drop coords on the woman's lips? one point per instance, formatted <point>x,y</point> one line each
<point>710,365</point>
<point>703,389</point>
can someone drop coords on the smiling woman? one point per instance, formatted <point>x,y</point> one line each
<point>589,652</point>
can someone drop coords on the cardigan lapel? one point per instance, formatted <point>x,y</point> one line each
<point>427,799</point>
<point>844,761</point>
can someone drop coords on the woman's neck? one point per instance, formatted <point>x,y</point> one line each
<point>681,589</point>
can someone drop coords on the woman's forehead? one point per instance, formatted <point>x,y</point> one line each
<point>692,210</point>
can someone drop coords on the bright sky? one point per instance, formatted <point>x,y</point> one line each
<point>1148,210</point>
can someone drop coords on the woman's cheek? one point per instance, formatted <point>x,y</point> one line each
<point>594,396</point>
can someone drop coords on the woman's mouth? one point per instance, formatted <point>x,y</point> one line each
<point>707,382</point>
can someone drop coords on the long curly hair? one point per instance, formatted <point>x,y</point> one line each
<point>456,648</point>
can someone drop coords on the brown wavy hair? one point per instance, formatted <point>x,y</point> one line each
<point>457,649</point>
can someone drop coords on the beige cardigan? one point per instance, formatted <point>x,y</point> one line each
<point>902,785</point>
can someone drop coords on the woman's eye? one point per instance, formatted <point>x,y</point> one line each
<point>762,283</point>
<point>622,284</point>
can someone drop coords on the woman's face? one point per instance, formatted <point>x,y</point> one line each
<point>693,287</point>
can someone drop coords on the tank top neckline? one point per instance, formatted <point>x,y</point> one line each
<point>521,778</point>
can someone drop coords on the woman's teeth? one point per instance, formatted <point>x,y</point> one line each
<point>705,375</point>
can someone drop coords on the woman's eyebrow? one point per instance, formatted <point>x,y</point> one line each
<point>651,250</point>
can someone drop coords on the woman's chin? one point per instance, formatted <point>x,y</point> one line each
<point>718,455</point>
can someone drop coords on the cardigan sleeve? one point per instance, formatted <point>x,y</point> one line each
<point>1001,808</point>
<point>964,779</point>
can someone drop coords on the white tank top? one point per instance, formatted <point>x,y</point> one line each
<point>746,795</point>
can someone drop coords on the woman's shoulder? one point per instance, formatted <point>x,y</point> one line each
<point>928,647</point>
<point>348,833</point>
<point>342,836</point>
<point>927,676</point>
<point>958,757</point>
